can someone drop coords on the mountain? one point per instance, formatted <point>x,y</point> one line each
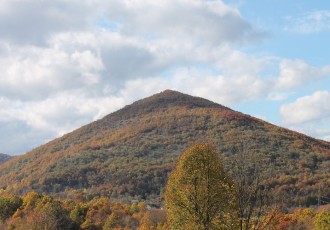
<point>4,157</point>
<point>130,152</point>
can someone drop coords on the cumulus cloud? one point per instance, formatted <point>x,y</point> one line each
<point>202,82</point>
<point>210,22</point>
<point>26,125</point>
<point>295,73</point>
<point>33,73</point>
<point>309,114</point>
<point>70,46</point>
<point>52,114</point>
<point>307,108</point>
<point>311,22</point>
<point>32,22</point>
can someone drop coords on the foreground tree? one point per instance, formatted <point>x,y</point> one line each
<point>199,194</point>
<point>253,195</point>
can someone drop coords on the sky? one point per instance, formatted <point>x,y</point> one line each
<point>66,63</point>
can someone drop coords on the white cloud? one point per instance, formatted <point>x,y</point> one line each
<point>316,129</point>
<point>65,112</point>
<point>26,125</point>
<point>204,22</point>
<point>278,96</point>
<point>295,73</point>
<point>80,55</point>
<point>309,115</point>
<point>315,107</point>
<point>311,22</point>
<point>222,89</point>
<point>35,73</point>
<point>32,22</point>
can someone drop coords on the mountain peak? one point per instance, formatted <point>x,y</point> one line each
<point>174,98</point>
<point>164,100</point>
<point>178,98</point>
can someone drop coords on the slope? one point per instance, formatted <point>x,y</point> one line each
<point>130,152</point>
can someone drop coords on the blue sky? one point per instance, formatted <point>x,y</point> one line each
<point>67,63</point>
<point>293,27</point>
<point>297,30</point>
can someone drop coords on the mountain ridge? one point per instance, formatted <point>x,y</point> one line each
<point>130,152</point>
<point>4,157</point>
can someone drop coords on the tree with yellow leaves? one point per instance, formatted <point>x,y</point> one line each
<point>199,194</point>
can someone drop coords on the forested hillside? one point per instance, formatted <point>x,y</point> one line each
<point>129,153</point>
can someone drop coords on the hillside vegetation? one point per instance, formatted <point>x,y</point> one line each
<point>36,211</point>
<point>129,153</point>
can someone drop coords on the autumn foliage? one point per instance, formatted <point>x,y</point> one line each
<point>199,194</point>
<point>34,211</point>
<point>130,152</point>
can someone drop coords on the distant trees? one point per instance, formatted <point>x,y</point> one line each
<point>301,219</point>
<point>34,211</point>
<point>199,194</point>
<point>51,215</point>
<point>39,212</point>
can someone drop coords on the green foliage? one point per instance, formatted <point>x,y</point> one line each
<point>199,194</point>
<point>112,221</point>
<point>31,200</point>
<point>8,206</point>
<point>78,213</point>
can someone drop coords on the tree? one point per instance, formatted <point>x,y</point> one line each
<point>50,215</point>
<point>199,194</point>
<point>322,220</point>
<point>31,200</point>
<point>245,167</point>
<point>78,213</point>
<point>153,220</point>
<point>8,206</point>
<point>113,221</point>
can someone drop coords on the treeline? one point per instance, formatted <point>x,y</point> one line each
<point>38,212</point>
<point>35,211</point>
